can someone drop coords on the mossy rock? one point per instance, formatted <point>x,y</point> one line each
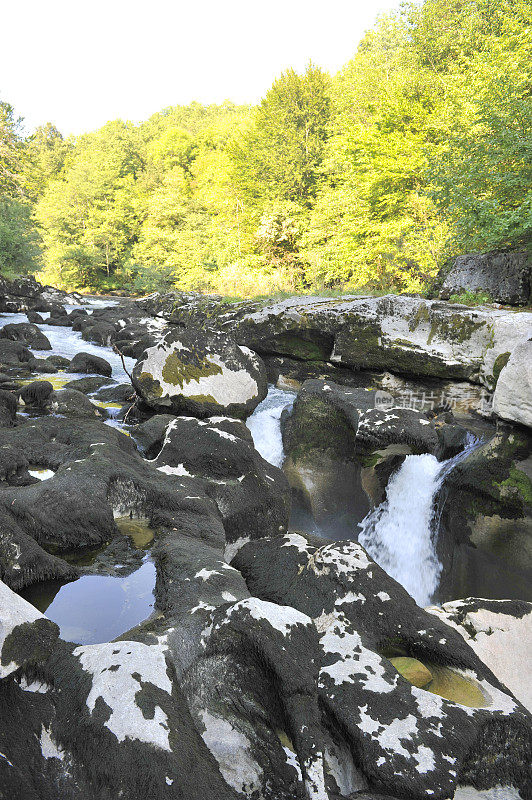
<point>201,374</point>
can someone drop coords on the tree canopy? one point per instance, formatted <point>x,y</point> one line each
<point>418,149</point>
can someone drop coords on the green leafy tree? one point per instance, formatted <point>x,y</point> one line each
<point>279,155</point>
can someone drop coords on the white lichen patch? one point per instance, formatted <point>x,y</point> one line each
<point>355,663</point>
<point>49,748</point>
<point>391,736</point>
<point>179,471</point>
<point>39,687</point>
<point>282,618</point>
<point>345,559</point>
<point>13,611</point>
<point>226,386</point>
<point>232,750</point>
<point>118,688</point>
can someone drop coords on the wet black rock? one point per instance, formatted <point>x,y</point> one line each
<point>71,403</point>
<point>87,362</point>
<point>37,394</point>
<point>27,333</point>
<point>87,385</point>
<point>8,408</point>
<point>118,393</point>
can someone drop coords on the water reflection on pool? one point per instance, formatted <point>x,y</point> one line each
<point>96,608</point>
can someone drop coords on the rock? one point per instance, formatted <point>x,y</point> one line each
<point>500,633</point>
<point>8,409</point>
<point>87,362</point>
<point>252,496</point>
<point>87,385</point>
<point>28,334</point>
<point>37,394</point>
<point>119,393</point>
<point>334,441</point>
<point>504,276</point>
<point>26,636</point>
<point>99,332</point>
<point>13,353</point>
<point>58,361</point>
<point>403,334</point>
<point>512,399</point>
<point>191,373</point>
<point>35,317</point>
<point>485,511</point>
<point>149,436</point>
<point>363,619</point>
<point>71,403</point>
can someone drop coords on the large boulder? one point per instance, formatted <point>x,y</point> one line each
<point>512,399</point>
<point>405,737</point>
<point>400,333</point>
<point>87,362</point>
<point>27,333</point>
<point>191,373</point>
<point>504,276</point>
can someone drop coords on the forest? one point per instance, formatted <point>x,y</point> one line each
<point>417,150</point>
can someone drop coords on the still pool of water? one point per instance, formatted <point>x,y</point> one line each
<point>96,608</point>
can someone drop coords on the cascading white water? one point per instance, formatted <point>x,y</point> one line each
<point>397,534</point>
<point>401,533</point>
<point>265,424</point>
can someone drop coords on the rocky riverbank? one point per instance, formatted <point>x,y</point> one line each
<point>274,658</point>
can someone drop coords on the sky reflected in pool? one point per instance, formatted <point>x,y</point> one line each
<point>96,608</point>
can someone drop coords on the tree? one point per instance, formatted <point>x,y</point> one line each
<point>279,155</point>
<point>94,205</point>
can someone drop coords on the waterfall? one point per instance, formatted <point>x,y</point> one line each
<point>401,533</point>
<point>265,424</point>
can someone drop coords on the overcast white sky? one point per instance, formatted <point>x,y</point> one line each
<point>80,64</point>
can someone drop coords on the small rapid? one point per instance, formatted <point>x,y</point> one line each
<point>67,343</point>
<point>401,533</point>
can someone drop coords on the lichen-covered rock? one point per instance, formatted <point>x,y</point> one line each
<point>190,373</point>
<point>252,496</point>
<point>26,636</point>
<point>500,633</point>
<point>504,276</point>
<point>409,741</point>
<point>400,333</point>
<point>512,399</point>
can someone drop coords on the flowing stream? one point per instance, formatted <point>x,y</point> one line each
<point>401,533</point>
